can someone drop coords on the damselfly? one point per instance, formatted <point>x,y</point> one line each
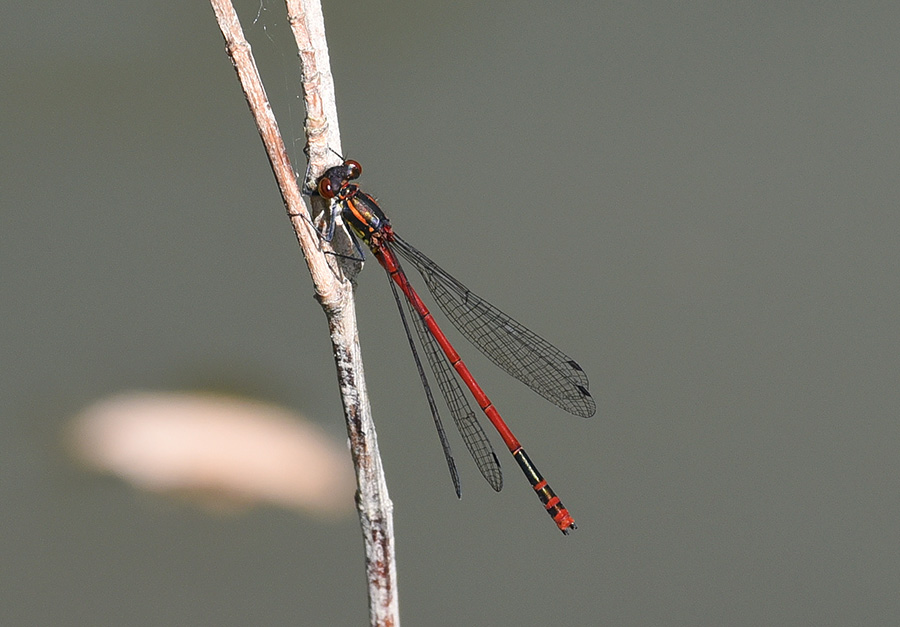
<point>517,350</point>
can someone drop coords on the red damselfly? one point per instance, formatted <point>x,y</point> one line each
<point>517,350</point>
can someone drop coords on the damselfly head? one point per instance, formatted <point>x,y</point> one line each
<point>337,178</point>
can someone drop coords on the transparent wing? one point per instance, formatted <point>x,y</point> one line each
<point>519,351</point>
<point>442,435</point>
<point>466,422</point>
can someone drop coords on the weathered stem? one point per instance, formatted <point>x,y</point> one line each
<point>333,292</point>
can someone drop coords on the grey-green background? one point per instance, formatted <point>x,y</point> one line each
<point>698,201</point>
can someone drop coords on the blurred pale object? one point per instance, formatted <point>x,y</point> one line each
<point>223,451</point>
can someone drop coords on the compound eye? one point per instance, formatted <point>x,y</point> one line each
<point>325,188</point>
<point>354,170</point>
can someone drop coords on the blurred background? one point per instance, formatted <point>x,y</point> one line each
<point>698,202</point>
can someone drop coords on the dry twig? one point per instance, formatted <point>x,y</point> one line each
<point>334,293</point>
